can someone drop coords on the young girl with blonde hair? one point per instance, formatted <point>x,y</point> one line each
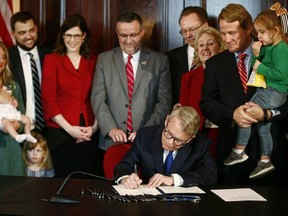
<point>37,157</point>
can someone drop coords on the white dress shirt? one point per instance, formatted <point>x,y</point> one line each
<point>25,60</point>
<point>134,61</point>
<point>190,53</point>
<point>178,180</point>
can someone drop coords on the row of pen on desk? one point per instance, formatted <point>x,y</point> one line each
<point>113,195</point>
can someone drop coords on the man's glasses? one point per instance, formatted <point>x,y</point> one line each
<point>176,141</point>
<point>70,36</point>
<point>132,36</point>
<point>184,32</point>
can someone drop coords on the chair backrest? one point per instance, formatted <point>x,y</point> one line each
<point>113,156</point>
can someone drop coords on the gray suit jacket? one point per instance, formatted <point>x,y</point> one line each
<point>152,99</point>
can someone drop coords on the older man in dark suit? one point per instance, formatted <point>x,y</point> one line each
<point>191,19</point>
<point>178,138</point>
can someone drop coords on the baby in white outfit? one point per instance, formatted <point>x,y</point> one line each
<point>9,116</point>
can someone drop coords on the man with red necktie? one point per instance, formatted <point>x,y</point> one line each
<point>124,102</point>
<point>223,101</point>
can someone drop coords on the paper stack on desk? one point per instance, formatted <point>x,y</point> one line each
<point>238,194</point>
<point>142,189</point>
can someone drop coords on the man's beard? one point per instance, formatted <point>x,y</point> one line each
<point>25,47</point>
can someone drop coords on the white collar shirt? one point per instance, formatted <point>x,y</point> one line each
<point>190,54</point>
<point>134,61</point>
<point>25,60</point>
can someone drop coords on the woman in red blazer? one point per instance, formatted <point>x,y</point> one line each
<point>66,88</point>
<point>208,42</point>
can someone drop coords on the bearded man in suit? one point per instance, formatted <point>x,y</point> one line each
<point>25,32</point>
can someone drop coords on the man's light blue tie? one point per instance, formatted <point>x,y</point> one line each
<point>168,164</point>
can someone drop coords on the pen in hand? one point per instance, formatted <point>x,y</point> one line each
<point>134,178</point>
<point>136,172</point>
<point>135,169</point>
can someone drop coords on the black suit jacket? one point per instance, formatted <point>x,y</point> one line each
<point>17,69</point>
<point>192,162</point>
<point>222,93</point>
<point>178,59</point>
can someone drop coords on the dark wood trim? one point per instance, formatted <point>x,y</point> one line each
<point>160,19</point>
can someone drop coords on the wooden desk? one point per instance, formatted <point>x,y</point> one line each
<point>22,196</point>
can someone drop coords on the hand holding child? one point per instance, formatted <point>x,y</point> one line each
<point>5,96</point>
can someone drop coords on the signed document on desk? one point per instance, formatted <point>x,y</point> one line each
<point>142,189</point>
<point>238,194</point>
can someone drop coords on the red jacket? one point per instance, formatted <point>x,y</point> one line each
<point>190,92</point>
<point>67,91</point>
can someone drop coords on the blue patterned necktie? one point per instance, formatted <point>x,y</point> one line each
<point>168,164</point>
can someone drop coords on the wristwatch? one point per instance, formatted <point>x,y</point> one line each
<point>265,115</point>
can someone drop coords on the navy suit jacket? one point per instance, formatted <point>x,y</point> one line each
<point>17,69</point>
<point>192,162</point>
<point>178,59</point>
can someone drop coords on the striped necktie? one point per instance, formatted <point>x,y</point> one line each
<point>39,123</point>
<point>130,81</point>
<point>242,70</point>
